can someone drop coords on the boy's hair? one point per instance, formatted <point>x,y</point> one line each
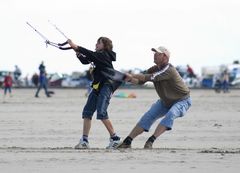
<point>107,43</point>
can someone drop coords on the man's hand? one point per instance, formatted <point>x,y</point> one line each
<point>131,78</point>
<point>128,77</point>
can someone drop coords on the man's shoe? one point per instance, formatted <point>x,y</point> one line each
<point>123,145</point>
<point>148,145</point>
<point>82,145</point>
<point>113,143</point>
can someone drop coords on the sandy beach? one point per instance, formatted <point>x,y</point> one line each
<point>38,134</point>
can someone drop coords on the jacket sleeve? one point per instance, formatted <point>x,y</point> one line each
<point>89,55</point>
<point>82,58</point>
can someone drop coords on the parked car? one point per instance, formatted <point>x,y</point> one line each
<point>70,81</point>
<point>54,79</point>
<point>76,79</point>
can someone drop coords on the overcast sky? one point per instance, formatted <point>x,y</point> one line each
<point>196,32</point>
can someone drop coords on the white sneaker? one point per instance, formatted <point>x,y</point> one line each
<point>113,144</point>
<point>82,145</point>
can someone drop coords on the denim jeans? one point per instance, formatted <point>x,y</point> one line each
<point>225,86</point>
<point>98,100</point>
<point>9,89</point>
<point>44,86</point>
<point>159,110</point>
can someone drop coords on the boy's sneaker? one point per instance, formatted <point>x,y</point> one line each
<point>82,144</point>
<point>113,143</point>
<point>123,145</point>
<point>148,145</point>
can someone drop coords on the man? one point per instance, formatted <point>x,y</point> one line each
<point>43,81</point>
<point>173,103</point>
<point>35,78</point>
<point>225,81</point>
<point>17,73</point>
<point>190,72</point>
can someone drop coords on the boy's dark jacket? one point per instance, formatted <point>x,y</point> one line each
<point>103,63</point>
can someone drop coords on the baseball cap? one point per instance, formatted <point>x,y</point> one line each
<point>162,49</point>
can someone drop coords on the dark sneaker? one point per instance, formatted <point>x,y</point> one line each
<point>123,145</point>
<point>148,145</point>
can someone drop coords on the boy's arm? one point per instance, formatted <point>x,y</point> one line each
<point>81,55</point>
<point>73,45</point>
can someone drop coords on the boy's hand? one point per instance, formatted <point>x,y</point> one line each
<point>73,45</point>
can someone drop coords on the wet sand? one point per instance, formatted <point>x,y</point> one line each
<point>38,134</point>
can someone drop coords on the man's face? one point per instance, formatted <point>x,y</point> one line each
<point>158,58</point>
<point>99,45</point>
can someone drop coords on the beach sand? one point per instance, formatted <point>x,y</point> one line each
<point>38,134</point>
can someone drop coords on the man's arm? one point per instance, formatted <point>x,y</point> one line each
<point>138,78</point>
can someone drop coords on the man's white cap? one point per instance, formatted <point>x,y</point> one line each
<point>162,49</point>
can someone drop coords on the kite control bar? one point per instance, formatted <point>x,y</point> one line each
<point>47,42</point>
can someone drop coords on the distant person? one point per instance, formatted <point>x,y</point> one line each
<point>7,83</point>
<point>35,79</point>
<point>225,81</point>
<point>217,82</point>
<point>102,88</point>
<point>42,68</point>
<point>17,73</point>
<point>174,98</point>
<point>43,81</point>
<point>190,72</point>
<point>26,81</point>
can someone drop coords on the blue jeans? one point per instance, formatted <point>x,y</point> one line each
<point>225,86</point>
<point>98,100</point>
<point>159,110</point>
<point>9,89</point>
<point>44,86</point>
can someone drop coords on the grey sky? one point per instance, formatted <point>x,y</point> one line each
<point>197,32</point>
